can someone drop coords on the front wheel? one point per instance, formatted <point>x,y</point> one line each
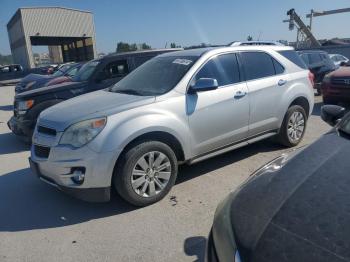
<point>145,173</point>
<point>293,126</point>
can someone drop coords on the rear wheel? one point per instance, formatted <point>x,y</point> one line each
<point>293,126</point>
<point>146,173</point>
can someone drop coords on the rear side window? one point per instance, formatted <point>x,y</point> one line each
<point>258,65</point>
<point>292,56</point>
<point>117,69</point>
<point>314,58</point>
<point>279,69</point>
<point>139,60</point>
<point>224,68</point>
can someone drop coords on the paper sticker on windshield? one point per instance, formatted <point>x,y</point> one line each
<point>179,61</point>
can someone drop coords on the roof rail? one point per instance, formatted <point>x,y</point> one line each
<point>248,43</point>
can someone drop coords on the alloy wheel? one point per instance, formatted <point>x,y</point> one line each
<point>296,126</point>
<point>151,174</point>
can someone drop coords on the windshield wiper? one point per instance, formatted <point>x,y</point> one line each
<point>129,92</point>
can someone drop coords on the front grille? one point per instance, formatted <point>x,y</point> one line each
<point>341,81</point>
<point>47,131</point>
<point>41,151</point>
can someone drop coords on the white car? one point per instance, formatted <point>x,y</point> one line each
<point>180,107</point>
<point>339,60</point>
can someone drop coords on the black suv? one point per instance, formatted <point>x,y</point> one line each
<point>319,63</point>
<point>94,75</point>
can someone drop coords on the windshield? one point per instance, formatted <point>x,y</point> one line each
<point>86,71</point>
<point>156,77</point>
<point>62,70</point>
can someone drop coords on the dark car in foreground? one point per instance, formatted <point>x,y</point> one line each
<point>295,208</point>
<point>336,86</point>
<point>319,63</point>
<point>94,75</point>
<point>33,81</point>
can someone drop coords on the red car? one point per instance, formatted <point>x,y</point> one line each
<point>336,86</point>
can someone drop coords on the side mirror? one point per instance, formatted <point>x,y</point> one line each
<point>204,84</point>
<point>332,114</point>
<point>101,76</point>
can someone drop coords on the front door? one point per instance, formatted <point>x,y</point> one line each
<point>219,117</point>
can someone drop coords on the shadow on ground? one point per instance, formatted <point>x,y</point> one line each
<point>317,109</point>
<point>6,108</point>
<point>27,203</point>
<point>9,143</point>
<point>195,246</point>
<point>189,172</point>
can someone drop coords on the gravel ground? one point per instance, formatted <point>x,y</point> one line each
<point>38,223</point>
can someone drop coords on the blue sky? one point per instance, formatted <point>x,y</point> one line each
<point>188,22</point>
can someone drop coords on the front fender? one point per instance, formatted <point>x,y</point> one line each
<point>119,133</point>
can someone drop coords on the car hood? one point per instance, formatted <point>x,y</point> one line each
<point>299,213</point>
<point>341,72</point>
<point>35,77</point>
<point>58,80</point>
<point>91,105</point>
<point>47,89</point>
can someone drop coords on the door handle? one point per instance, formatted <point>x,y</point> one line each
<point>282,82</point>
<point>240,94</point>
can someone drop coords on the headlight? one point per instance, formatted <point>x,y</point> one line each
<point>29,85</point>
<point>23,106</point>
<point>83,132</point>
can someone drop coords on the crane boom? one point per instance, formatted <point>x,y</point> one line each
<point>294,17</point>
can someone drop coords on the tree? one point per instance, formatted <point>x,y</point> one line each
<point>122,47</point>
<point>145,46</point>
<point>249,38</point>
<point>126,47</point>
<point>174,45</point>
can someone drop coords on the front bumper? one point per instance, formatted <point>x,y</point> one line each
<point>87,194</point>
<point>58,163</point>
<point>21,126</point>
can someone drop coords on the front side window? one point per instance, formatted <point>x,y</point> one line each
<point>258,65</point>
<point>155,77</point>
<point>223,68</point>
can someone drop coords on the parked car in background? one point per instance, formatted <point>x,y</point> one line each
<point>339,60</point>
<point>140,129</point>
<point>319,64</point>
<point>65,73</point>
<point>336,86</point>
<point>11,68</point>
<point>294,208</point>
<point>94,75</point>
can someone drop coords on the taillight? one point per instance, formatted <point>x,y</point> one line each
<point>312,78</point>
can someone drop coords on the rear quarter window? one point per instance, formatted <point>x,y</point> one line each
<point>292,56</point>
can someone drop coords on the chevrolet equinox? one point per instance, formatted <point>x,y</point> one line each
<point>179,107</point>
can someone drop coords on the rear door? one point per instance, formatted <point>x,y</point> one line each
<point>266,81</point>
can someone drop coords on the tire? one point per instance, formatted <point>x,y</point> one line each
<point>129,173</point>
<point>285,137</point>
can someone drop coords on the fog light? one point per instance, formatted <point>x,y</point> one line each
<point>78,175</point>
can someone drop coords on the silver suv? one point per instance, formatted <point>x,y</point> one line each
<point>180,107</point>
